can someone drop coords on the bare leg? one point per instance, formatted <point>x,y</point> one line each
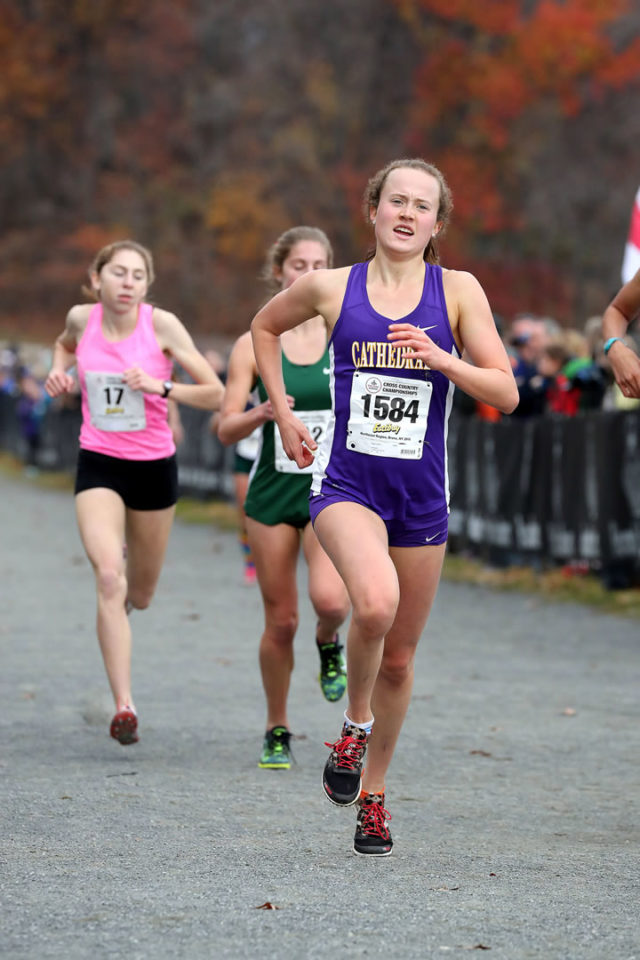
<point>327,592</point>
<point>362,560</point>
<point>240,487</point>
<point>101,521</point>
<point>147,538</point>
<point>275,550</point>
<point>419,571</point>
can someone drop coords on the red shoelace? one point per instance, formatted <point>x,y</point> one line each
<point>348,750</point>
<point>374,820</point>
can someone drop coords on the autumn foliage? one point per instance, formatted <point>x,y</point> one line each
<point>205,129</point>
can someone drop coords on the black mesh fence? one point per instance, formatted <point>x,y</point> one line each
<point>556,490</point>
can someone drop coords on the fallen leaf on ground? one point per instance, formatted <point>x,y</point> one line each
<point>267,906</point>
<point>568,712</point>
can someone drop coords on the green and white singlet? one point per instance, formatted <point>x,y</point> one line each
<point>278,489</point>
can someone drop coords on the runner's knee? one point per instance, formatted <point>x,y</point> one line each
<point>374,615</point>
<point>111,583</point>
<point>397,667</point>
<point>331,606</point>
<point>140,597</point>
<point>281,628</point>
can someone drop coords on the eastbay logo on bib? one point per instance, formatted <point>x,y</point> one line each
<point>388,416</point>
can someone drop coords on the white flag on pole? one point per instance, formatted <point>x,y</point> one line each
<point>631,262</point>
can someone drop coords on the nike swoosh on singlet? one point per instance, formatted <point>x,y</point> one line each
<point>429,539</point>
<point>432,327</point>
<point>326,370</point>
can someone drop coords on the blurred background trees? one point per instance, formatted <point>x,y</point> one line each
<point>204,129</point>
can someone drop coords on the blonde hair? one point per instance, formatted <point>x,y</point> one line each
<point>575,343</point>
<point>373,191</point>
<point>283,246</point>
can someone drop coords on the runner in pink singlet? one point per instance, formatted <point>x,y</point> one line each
<point>126,482</point>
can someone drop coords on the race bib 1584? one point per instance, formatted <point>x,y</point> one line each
<point>388,416</point>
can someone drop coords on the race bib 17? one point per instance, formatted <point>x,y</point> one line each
<point>114,405</point>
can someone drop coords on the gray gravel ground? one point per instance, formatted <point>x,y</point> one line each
<point>514,792</point>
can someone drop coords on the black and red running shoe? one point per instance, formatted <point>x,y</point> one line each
<point>342,777</point>
<point>372,837</point>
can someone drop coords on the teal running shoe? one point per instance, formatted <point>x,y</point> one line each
<point>276,752</point>
<point>333,670</point>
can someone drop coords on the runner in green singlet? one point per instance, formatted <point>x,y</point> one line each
<point>278,489</point>
<point>277,504</point>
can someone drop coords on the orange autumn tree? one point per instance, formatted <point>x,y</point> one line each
<point>492,82</point>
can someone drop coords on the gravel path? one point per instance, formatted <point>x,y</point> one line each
<point>514,791</point>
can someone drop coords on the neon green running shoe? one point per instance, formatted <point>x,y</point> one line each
<point>276,753</point>
<point>333,670</point>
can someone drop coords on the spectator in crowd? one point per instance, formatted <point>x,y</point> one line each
<point>595,341</point>
<point>32,404</point>
<point>557,392</point>
<point>586,376</point>
<point>9,371</point>
<point>571,381</point>
<point>527,338</point>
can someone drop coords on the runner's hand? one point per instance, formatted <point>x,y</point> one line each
<point>266,408</point>
<point>59,382</point>
<point>418,343</point>
<point>137,379</point>
<point>297,442</point>
<point>626,368</point>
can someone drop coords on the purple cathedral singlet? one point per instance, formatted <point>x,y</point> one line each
<point>386,447</point>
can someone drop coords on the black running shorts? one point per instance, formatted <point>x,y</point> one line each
<point>142,484</point>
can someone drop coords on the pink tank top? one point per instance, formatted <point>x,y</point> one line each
<point>116,420</point>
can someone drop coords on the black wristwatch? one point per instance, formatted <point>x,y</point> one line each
<point>167,387</point>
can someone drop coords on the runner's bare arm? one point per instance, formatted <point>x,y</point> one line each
<point>285,311</point>
<point>316,293</point>
<point>489,377</point>
<point>234,421</point>
<point>58,380</point>
<point>206,393</point>
<point>625,363</point>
